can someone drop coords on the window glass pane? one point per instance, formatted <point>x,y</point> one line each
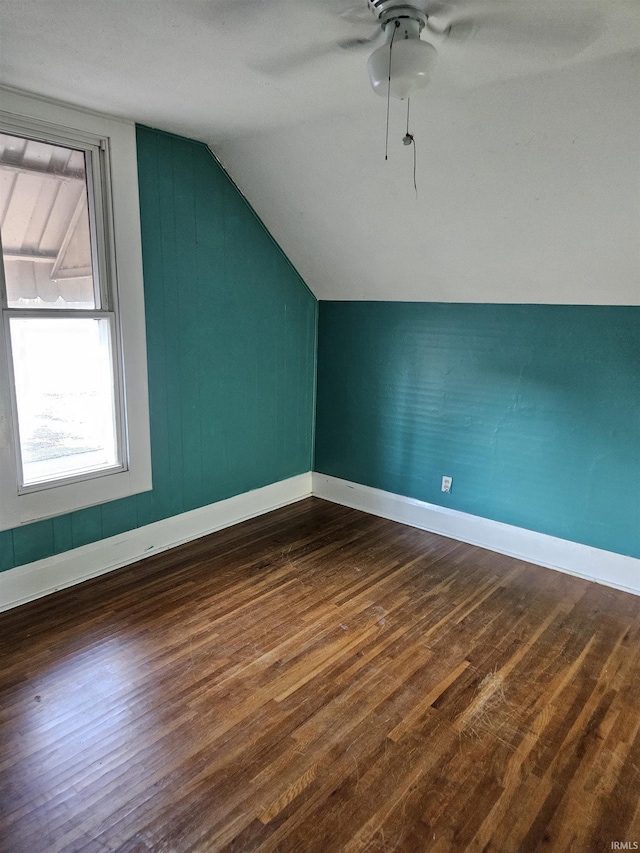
<point>65,396</point>
<point>44,220</point>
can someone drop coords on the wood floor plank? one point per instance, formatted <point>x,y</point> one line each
<point>321,680</point>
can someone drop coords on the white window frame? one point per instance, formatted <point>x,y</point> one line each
<point>55,122</point>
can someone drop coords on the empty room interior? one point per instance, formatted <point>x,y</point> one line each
<point>320,426</point>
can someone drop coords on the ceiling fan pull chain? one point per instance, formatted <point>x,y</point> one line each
<point>386,141</point>
<point>415,185</point>
<point>409,139</point>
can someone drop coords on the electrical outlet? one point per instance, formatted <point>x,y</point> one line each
<point>447,483</point>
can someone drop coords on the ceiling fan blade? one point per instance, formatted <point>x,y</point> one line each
<point>281,66</point>
<point>357,14</point>
<point>363,43</point>
<point>438,9</point>
<point>461,30</point>
<point>544,32</point>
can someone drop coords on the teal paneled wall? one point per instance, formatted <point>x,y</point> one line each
<point>231,332</point>
<point>534,410</point>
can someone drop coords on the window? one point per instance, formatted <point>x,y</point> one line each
<point>74,427</point>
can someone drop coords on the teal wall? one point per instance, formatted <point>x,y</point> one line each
<point>231,332</point>
<point>534,410</point>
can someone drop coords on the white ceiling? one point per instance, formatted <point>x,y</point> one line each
<point>528,157</point>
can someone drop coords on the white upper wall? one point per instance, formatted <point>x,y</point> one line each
<point>528,173</point>
<point>528,191</point>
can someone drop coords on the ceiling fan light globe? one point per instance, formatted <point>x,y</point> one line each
<point>412,62</point>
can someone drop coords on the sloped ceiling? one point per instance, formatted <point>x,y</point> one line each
<point>527,160</point>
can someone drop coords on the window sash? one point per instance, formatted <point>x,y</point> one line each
<point>122,459</point>
<point>99,202</point>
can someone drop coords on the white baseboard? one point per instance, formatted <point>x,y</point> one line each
<point>593,564</point>
<point>25,583</point>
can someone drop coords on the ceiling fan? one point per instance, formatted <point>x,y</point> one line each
<point>407,36</point>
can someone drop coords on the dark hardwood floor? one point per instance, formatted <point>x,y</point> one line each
<point>320,680</point>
